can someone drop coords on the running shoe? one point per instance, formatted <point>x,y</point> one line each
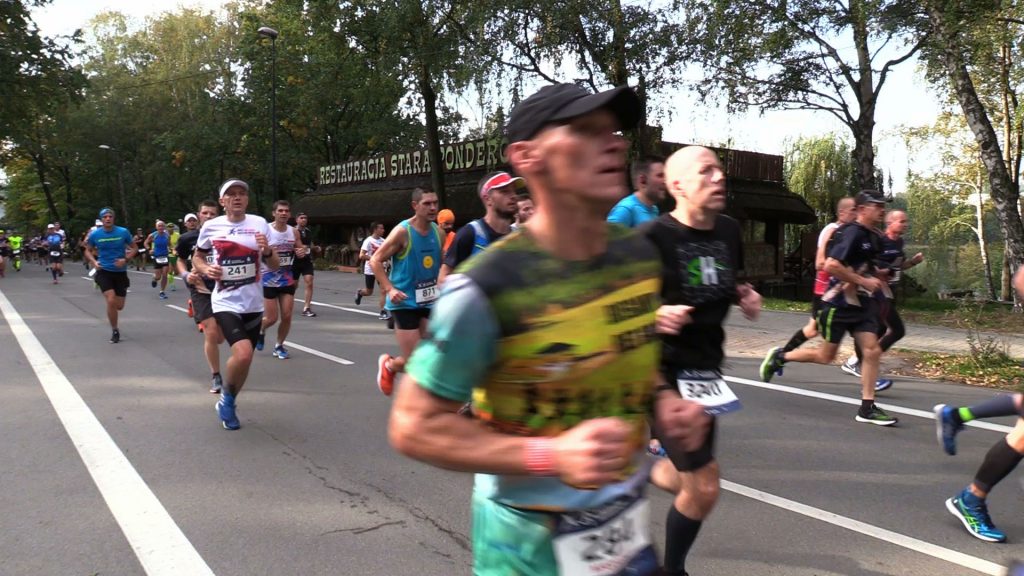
<point>281,352</point>
<point>259,341</point>
<point>359,298</point>
<point>772,364</point>
<point>55,281</point>
<point>383,315</point>
<point>163,296</point>
<point>385,377</point>
<point>115,336</point>
<point>216,384</point>
<point>153,283</point>
<point>226,411</point>
<point>973,513</point>
<point>875,415</point>
<point>946,428</point>
<point>191,312</point>
<point>308,313</point>
<point>851,368</point>
<point>882,384</point>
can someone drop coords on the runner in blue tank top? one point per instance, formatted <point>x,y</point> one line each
<point>158,244</point>
<point>415,246</point>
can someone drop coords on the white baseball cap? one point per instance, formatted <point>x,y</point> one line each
<point>233,182</point>
<point>190,216</point>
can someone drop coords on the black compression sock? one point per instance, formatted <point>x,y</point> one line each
<point>1000,461</point>
<point>795,341</point>
<point>680,534</point>
<point>866,405</point>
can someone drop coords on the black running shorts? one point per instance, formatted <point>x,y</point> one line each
<point>834,322</point>
<point>409,318</point>
<point>271,292</point>
<point>370,280</point>
<point>116,281</point>
<point>237,327</point>
<point>302,267</point>
<point>202,308</point>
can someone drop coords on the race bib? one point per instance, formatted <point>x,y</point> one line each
<point>285,258</point>
<point>160,259</point>
<point>92,273</point>
<point>708,389</point>
<point>54,253</point>
<point>426,292</point>
<point>609,541</point>
<point>17,252</point>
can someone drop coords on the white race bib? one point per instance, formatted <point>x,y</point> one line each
<point>160,259</point>
<point>283,260</point>
<point>606,548</point>
<point>426,292</point>
<point>239,272</point>
<point>54,253</point>
<point>709,390</point>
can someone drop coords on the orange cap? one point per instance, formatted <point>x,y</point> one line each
<point>445,215</point>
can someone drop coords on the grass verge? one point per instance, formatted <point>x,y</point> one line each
<point>1003,373</point>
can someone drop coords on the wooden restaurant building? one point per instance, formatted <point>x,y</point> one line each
<point>352,194</point>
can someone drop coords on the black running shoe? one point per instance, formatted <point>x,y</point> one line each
<point>115,336</point>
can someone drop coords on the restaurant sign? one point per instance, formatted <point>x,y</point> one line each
<point>471,155</point>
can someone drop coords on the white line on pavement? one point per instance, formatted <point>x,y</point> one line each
<point>856,402</point>
<point>356,310</point>
<point>159,544</point>
<point>965,560</point>
<point>323,355</point>
<point>291,344</point>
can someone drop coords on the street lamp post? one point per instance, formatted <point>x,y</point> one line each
<point>120,182</point>
<point>272,34</point>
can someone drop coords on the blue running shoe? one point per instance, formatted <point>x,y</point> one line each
<point>973,513</point>
<point>771,365</point>
<point>259,341</point>
<point>226,411</point>
<point>163,296</point>
<point>882,384</point>
<point>946,428</point>
<point>280,352</point>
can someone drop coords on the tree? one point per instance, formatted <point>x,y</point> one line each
<point>953,51</point>
<point>790,55</point>
<point>820,169</point>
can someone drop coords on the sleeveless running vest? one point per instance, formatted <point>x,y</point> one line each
<point>414,270</point>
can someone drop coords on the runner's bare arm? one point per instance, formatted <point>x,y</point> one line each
<point>300,248</point>
<point>846,274</point>
<point>819,255</point>
<point>268,254</point>
<point>211,271</point>
<point>427,427</point>
<point>132,251</point>
<point>392,245</point>
<point>1018,281</point>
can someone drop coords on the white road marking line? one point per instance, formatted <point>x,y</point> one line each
<point>291,344</point>
<point>952,556</point>
<point>159,544</point>
<point>323,355</point>
<point>855,402</point>
<point>356,310</point>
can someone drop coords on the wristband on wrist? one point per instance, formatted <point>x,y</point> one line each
<point>539,457</point>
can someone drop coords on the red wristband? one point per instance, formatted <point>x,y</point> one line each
<point>539,457</point>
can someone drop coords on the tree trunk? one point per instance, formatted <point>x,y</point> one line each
<point>1003,192</point>
<point>864,126</point>
<point>990,289</point>
<point>433,138</point>
<point>51,205</point>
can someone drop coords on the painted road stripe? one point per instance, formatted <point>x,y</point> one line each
<point>856,402</point>
<point>291,344</point>
<point>959,558</point>
<point>336,307</point>
<point>159,544</point>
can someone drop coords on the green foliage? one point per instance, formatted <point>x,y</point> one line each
<point>820,168</point>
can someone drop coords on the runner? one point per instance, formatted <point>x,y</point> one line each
<point>702,255</point>
<point>172,257</point>
<point>850,305</point>
<point>845,213</point>
<point>55,246</point>
<point>524,210</point>
<point>558,359</point>
<point>895,260</point>
<point>140,241</point>
<point>497,191</point>
<point>279,285</point>
<point>446,220</point>
<point>303,267</point>
<point>369,247</point>
<point>414,247</point>
<point>110,249</point>
<point>237,242</point>
<point>158,243</point>
<point>642,205</point>
<point>199,290</point>
<point>16,240</point>
<point>970,505</point>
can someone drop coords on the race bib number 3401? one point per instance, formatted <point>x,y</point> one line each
<point>610,541</point>
<point>709,390</point>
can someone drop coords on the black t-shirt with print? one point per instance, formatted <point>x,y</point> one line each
<point>699,268</point>
<point>857,247</point>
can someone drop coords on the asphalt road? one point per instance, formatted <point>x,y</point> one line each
<point>309,485</point>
